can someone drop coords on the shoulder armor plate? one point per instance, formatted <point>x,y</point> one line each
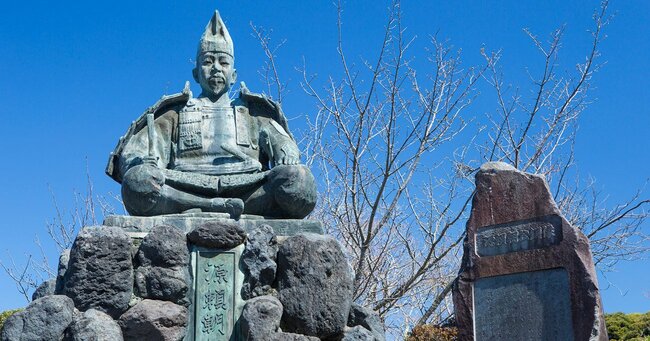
<point>159,108</point>
<point>261,105</point>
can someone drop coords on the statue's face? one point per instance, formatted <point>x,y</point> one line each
<point>215,73</point>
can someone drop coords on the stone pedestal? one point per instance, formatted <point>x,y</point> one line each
<point>200,277</point>
<point>187,222</point>
<point>526,273</point>
<point>216,274</point>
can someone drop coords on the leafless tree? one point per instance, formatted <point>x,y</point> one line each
<point>269,72</point>
<point>87,210</point>
<point>396,192</point>
<point>395,178</point>
<point>536,133</point>
<point>375,133</point>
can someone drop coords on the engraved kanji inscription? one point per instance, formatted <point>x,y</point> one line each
<point>214,295</point>
<point>519,236</point>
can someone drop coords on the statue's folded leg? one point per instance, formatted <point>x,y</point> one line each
<point>289,192</point>
<point>145,194</point>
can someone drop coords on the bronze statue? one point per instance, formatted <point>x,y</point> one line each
<point>212,153</point>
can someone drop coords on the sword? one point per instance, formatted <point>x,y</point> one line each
<point>151,134</point>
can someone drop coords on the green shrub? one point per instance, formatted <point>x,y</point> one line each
<point>620,327</point>
<point>632,327</point>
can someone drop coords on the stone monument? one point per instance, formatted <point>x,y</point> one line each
<point>526,273</point>
<point>216,247</point>
<point>211,153</point>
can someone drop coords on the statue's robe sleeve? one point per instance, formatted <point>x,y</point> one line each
<point>137,148</point>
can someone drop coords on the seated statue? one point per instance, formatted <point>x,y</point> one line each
<point>212,153</point>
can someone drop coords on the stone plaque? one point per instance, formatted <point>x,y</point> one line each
<point>523,306</point>
<point>526,273</point>
<point>215,295</point>
<point>520,235</point>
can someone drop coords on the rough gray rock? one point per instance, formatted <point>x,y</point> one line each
<point>260,321</point>
<point>64,258</point>
<point>46,288</point>
<point>218,235</point>
<point>93,325</point>
<point>357,333</point>
<point>153,320</point>
<point>166,284</point>
<point>314,283</point>
<point>260,318</point>
<point>164,246</point>
<point>258,261</point>
<point>12,329</point>
<point>163,260</point>
<point>368,319</point>
<point>100,273</point>
<point>44,319</point>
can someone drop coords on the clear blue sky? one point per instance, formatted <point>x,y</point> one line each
<point>73,75</point>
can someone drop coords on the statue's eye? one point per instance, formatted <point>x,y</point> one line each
<point>207,62</point>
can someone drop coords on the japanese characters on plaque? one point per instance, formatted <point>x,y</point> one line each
<point>215,296</point>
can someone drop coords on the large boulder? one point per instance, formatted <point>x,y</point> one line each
<point>100,271</point>
<point>260,321</point>
<point>164,246</point>
<point>93,325</point>
<point>153,320</point>
<point>218,234</point>
<point>64,258</point>
<point>166,284</point>
<point>12,329</point>
<point>44,319</point>
<point>258,260</point>
<point>46,288</point>
<point>368,319</point>
<point>526,273</point>
<point>314,283</point>
<point>163,259</point>
<point>260,318</point>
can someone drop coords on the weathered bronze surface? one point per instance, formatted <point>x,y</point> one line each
<point>216,294</point>
<point>213,153</point>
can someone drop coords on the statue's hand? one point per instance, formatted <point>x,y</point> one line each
<point>142,187</point>
<point>288,155</point>
<point>145,178</point>
<point>156,174</point>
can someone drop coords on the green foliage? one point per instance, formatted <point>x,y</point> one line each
<point>429,332</point>
<point>5,315</point>
<point>633,327</point>
<point>620,327</point>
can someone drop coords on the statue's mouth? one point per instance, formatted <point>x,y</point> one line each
<point>217,80</point>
